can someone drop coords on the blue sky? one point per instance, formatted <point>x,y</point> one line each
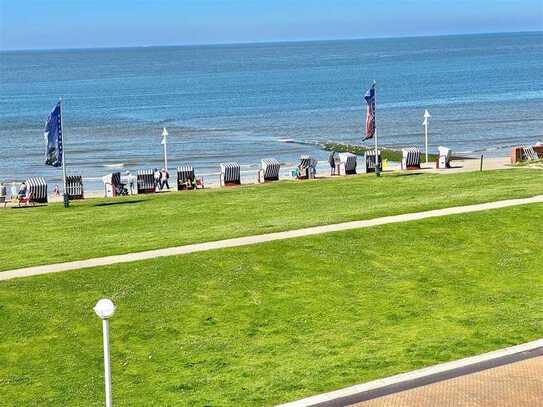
<point>33,24</point>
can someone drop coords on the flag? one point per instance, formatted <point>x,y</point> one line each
<point>370,113</point>
<point>53,138</point>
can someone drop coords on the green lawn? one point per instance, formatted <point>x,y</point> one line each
<point>274,322</point>
<point>93,228</point>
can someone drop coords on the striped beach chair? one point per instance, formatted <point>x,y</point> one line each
<point>347,164</point>
<point>145,181</point>
<point>444,159</point>
<point>74,187</point>
<point>113,185</point>
<point>411,158</point>
<point>185,177</point>
<point>368,161</point>
<point>37,190</point>
<point>269,170</point>
<point>230,174</point>
<point>307,169</point>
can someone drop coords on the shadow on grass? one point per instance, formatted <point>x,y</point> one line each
<point>117,203</point>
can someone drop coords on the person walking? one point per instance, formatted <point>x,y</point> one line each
<point>157,176</point>
<point>164,176</point>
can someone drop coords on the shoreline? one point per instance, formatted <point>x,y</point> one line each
<point>248,177</point>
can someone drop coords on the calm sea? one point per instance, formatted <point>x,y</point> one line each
<point>241,102</point>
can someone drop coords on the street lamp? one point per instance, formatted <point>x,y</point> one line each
<point>164,143</point>
<point>105,310</point>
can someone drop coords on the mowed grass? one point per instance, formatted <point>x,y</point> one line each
<point>94,228</point>
<point>269,323</point>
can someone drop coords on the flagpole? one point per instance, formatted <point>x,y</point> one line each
<point>377,172</point>
<point>65,194</point>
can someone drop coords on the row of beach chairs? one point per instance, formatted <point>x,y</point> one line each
<point>231,174</point>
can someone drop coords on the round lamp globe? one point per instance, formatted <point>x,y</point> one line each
<point>104,308</point>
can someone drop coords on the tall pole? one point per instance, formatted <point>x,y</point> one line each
<point>425,123</point>
<point>165,142</point>
<point>377,171</point>
<point>107,362</point>
<point>65,193</point>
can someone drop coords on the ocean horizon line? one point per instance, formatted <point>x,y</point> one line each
<point>270,42</point>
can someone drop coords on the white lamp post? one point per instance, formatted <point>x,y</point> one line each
<point>164,143</point>
<point>425,124</point>
<point>105,310</point>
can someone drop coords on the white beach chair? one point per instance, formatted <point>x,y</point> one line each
<point>230,174</point>
<point>269,170</point>
<point>347,164</point>
<point>411,158</point>
<point>37,190</point>
<point>307,169</point>
<point>145,181</point>
<point>74,187</point>
<point>444,159</point>
<point>185,177</point>
<point>368,161</point>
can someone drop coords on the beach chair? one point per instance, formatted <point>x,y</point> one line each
<point>230,174</point>
<point>411,158</point>
<point>444,159</point>
<point>145,182</point>
<point>37,190</point>
<point>185,177</point>
<point>529,154</point>
<point>74,187</point>
<point>347,164</point>
<point>368,161</point>
<point>307,169</point>
<point>269,170</point>
<point>113,186</point>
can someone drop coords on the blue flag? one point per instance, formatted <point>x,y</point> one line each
<point>53,138</point>
<point>370,112</point>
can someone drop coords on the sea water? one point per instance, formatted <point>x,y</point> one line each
<point>245,102</point>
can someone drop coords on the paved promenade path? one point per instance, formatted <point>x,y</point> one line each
<point>249,240</point>
<point>517,384</point>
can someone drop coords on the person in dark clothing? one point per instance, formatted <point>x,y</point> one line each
<point>332,162</point>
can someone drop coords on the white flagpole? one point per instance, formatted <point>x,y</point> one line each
<point>65,193</point>
<point>377,172</point>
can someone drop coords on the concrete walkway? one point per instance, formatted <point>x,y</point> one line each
<point>517,384</point>
<point>506,377</point>
<point>250,240</point>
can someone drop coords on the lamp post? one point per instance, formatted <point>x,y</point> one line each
<point>164,143</point>
<point>425,124</point>
<point>105,310</point>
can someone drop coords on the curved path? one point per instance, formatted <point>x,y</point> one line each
<point>249,240</point>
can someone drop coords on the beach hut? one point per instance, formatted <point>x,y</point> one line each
<point>37,190</point>
<point>368,161</point>
<point>185,177</point>
<point>410,158</point>
<point>230,174</point>
<point>307,169</point>
<point>269,170</point>
<point>444,159</point>
<point>74,187</point>
<point>145,181</point>
<point>347,164</point>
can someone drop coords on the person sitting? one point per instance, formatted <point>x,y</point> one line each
<point>23,190</point>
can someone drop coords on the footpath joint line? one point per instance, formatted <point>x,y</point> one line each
<point>255,239</point>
